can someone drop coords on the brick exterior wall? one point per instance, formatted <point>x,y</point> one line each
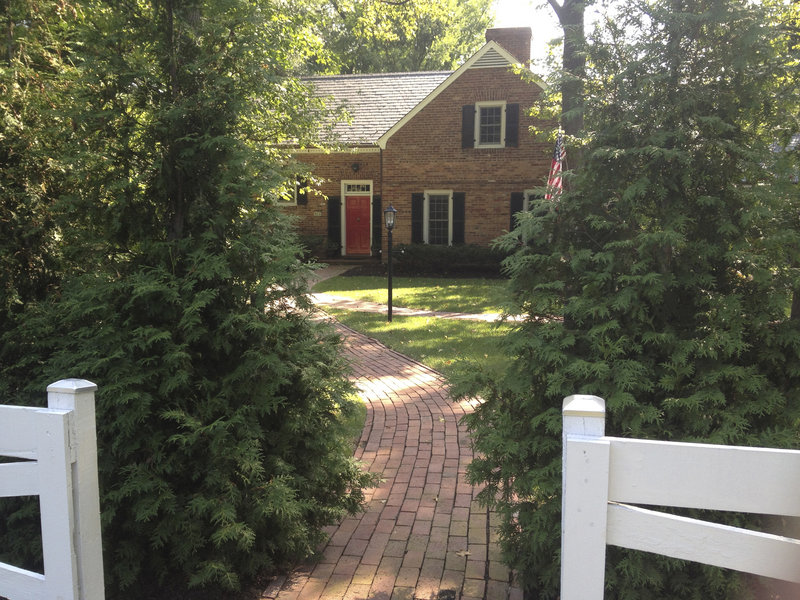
<point>427,154</point>
<point>332,169</point>
<point>517,40</point>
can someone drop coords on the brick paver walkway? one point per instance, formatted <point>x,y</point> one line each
<point>423,535</point>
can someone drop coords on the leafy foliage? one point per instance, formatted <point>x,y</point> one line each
<point>221,447</point>
<point>662,282</point>
<point>35,71</point>
<point>374,36</point>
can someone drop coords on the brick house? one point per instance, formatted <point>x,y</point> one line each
<point>449,150</point>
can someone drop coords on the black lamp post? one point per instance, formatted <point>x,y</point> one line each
<point>388,218</point>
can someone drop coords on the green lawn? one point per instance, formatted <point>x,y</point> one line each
<point>442,344</point>
<point>475,296</point>
<point>354,420</point>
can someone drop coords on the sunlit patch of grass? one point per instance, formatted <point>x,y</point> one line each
<point>477,296</point>
<point>442,344</point>
<point>353,419</point>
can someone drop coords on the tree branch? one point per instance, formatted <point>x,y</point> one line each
<point>557,8</point>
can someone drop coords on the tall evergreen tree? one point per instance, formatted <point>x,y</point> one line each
<point>220,402</point>
<point>662,282</point>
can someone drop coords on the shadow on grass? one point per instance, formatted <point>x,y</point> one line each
<point>425,293</point>
<point>444,345</point>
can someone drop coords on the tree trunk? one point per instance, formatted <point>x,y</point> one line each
<point>794,315</point>
<point>570,17</point>
<point>9,30</point>
<point>174,187</point>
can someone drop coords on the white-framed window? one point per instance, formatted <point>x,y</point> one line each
<point>490,124</point>
<point>288,197</point>
<point>438,217</point>
<point>294,195</point>
<point>361,187</point>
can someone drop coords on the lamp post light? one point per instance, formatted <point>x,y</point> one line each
<point>388,218</point>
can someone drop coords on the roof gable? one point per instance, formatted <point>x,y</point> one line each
<point>493,58</point>
<point>491,55</point>
<point>379,104</point>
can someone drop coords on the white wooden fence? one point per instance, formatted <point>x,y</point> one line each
<point>58,451</point>
<point>604,476</point>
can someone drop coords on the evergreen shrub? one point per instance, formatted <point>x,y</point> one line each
<point>179,292</point>
<point>222,453</point>
<point>463,260</point>
<point>661,281</point>
<point>313,246</point>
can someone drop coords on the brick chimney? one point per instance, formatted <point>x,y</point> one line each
<point>517,40</point>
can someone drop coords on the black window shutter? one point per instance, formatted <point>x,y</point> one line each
<point>377,221</point>
<point>512,125</point>
<point>459,216</point>
<point>417,216</point>
<point>335,221</point>
<point>302,192</point>
<point>517,202</point>
<point>468,126</point>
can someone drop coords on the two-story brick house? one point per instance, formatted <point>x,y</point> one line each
<point>451,151</point>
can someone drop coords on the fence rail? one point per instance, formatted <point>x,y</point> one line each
<point>604,477</point>
<point>56,448</point>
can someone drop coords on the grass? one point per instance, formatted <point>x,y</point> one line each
<point>441,344</point>
<point>353,420</point>
<point>477,296</point>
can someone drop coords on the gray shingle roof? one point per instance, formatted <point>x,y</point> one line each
<point>375,101</point>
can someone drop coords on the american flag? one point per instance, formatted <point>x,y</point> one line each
<point>554,180</point>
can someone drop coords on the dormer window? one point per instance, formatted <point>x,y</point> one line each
<point>490,124</point>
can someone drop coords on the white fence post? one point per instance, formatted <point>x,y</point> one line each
<point>606,477</point>
<point>78,395</point>
<point>584,498</point>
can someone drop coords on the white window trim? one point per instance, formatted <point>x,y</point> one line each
<point>343,208</point>
<point>356,182</point>
<point>526,199</point>
<point>427,211</point>
<point>493,104</point>
<point>293,202</point>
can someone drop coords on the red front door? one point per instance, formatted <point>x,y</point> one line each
<point>357,223</point>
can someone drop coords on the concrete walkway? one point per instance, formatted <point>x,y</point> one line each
<point>423,535</point>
